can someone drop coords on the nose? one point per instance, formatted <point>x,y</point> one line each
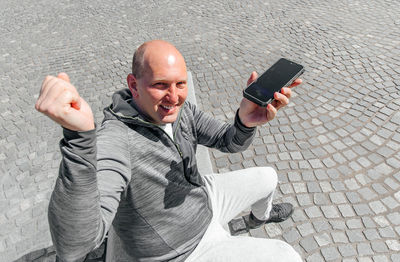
<point>173,97</point>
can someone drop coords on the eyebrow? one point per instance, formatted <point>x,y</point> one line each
<point>165,80</point>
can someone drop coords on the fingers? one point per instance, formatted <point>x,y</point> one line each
<point>64,77</point>
<point>280,100</point>
<point>296,82</point>
<point>286,91</point>
<point>252,78</point>
<point>56,92</point>
<point>271,112</point>
<point>48,82</point>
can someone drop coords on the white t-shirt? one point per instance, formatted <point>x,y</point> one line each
<point>168,129</point>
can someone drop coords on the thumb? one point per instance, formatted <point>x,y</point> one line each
<point>64,77</point>
<point>252,78</point>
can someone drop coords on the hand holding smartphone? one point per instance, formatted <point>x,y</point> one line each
<point>279,75</point>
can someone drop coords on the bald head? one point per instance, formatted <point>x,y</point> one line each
<point>158,82</point>
<point>155,51</point>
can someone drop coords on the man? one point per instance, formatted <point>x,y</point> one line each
<point>138,170</point>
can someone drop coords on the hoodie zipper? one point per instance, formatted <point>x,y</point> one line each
<point>172,139</point>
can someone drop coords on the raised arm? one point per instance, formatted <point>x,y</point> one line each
<point>95,169</point>
<point>238,136</point>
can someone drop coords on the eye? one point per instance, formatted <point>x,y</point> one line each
<point>159,85</point>
<point>181,84</point>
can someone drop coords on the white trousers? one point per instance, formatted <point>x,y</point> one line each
<point>231,193</point>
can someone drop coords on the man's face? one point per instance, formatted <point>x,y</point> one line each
<point>162,89</point>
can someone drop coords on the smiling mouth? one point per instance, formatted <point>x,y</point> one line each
<point>167,107</point>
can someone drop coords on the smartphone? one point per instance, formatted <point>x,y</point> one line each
<point>279,75</point>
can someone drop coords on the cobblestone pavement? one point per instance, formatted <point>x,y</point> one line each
<point>336,147</point>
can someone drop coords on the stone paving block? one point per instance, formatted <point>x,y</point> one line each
<point>330,212</point>
<point>351,184</point>
<point>315,257</point>
<point>234,158</point>
<point>221,162</point>
<point>397,196</point>
<point>326,186</point>
<point>363,179</point>
<point>330,253</point>
<point>379,246</point>
<point>392,183</point>
<point>321,199</point>
<point>257,233</point>
<point>321,225</point>
<point>323,239</point>
<point>298,216</point>
<point>273,230</point>
<point>355,235</point>
<point>393,245</point>
<point>394,218</point>
<point>347,250</point>
<point>308,176</point>
<point>347,210</point>
<point>304,199</point>
<point>387,232</point>
<point>381,221</point>
<point>395,257</point>
<point>249,163</point>
<point>300,187</point>
<point>395,163</point>
<point>313,212</point>
<point>379,188</point>
<point>291,236</point>
<point>364,249</point>
<point>371,234</point>
<point>367,193</point>
<point>377,207</point>
<point>313,187</point>
<point>354,223</point>
<point>308,244</point>
<point>338,198</point>
<point>306,229</point>
<point>338,185</point>
<point>247,154</point>
<point>339,237</point>
<point>294,176</point>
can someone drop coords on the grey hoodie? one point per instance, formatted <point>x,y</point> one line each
<point>132,175</point>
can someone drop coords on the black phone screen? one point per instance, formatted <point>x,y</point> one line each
<point>277,76</point>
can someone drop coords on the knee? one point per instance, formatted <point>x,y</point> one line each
<point>267,177</point>
<point>270,176</point>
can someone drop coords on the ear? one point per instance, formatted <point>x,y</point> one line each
<point>132,84</point>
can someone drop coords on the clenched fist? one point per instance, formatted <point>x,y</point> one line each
<point>60,101</point>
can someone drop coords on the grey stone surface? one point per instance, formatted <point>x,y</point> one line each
<point>330,253</point>
<point>347,250</point>
<point>335,147</point>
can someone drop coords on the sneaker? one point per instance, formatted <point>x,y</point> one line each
<point>279,213</point>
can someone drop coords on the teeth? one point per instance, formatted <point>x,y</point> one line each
<point>167,107</point>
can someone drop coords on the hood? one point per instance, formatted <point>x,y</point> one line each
<point>122,108</point>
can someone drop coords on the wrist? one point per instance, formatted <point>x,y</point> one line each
<point>242,120</point>
<point>241,123</point>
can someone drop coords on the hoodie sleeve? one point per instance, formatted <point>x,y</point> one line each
<point>226,137</point>
<point>81,207</point>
